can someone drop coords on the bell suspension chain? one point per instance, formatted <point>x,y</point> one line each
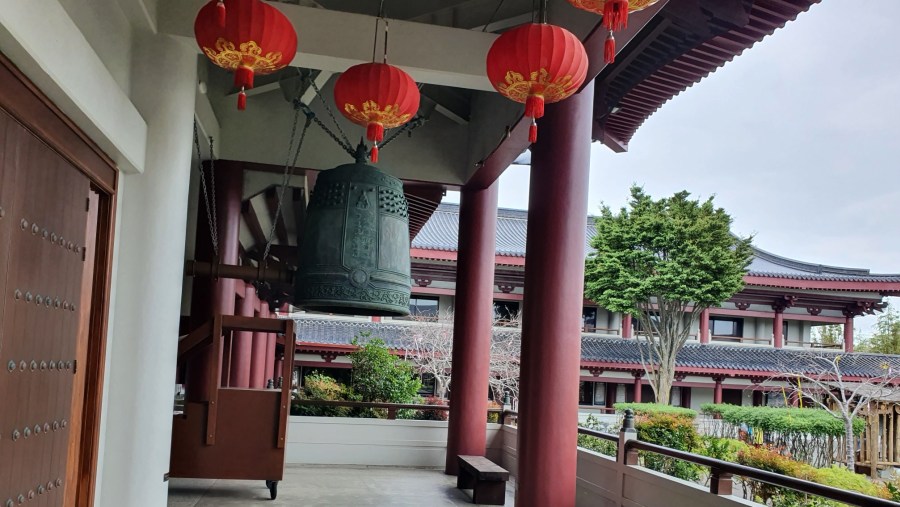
<point>209,203</point>
<point>289,166</point>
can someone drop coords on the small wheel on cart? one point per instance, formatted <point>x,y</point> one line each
<point>273,489</point>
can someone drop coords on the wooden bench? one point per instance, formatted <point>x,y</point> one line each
<point>484,477</point>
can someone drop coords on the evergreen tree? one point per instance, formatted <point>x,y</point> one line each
<point>664,261</point>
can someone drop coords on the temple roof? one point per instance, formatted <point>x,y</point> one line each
<point>441,233</point>
<point>618,352</point>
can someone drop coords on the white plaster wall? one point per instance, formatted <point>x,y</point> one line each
<point>699,396</point>
<point>108,32</point>
<point>352,441</point>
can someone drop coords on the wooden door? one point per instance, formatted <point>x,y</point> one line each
<point>44,295</point>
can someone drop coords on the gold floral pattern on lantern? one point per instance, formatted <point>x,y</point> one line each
<point>539,82</point>
<point>249,54</point>
<point>596,6</point>
<point>389,116</point>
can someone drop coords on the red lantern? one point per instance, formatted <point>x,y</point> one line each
<point>615,17</point>
<point>377,96</point>
<point>534,64</point>
<point>256,39</point>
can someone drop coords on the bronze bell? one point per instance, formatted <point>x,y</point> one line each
<point>354,257</point>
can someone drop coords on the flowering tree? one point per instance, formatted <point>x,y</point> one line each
<point>822,379</point>
<point>428,344</point>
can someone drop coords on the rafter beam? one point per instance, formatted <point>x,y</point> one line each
<point>272,204</point>
<point>252,221</point>
<point>333,41</point>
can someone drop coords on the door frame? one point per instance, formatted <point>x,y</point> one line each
<point>25,103</point>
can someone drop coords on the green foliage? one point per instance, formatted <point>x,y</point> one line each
<point>766,458</point>
<point>655,408</point>
<point>673,431</point>
<point>321,387</point>
<point>886,339</point>
<point>725,449</point>
<point>806,421</point>
<point>595,444</point>
<point>674,248</point>
<point>829,335</point>
<point>381,376</point>
<point>432,415</point>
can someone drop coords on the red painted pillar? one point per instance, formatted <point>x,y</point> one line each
<point>704,326</point>
<point>258,356</point>
<point>717,394</point>
<point>626,325</point>
<point>270,357</point>
<point>848,332</point>
<point>215,296</point>
<point>472,323</point>
<point>778,327</point>
<point>554,294</point>
<point>242,342</point>
<point>279,368</point>
<point>637,386</point>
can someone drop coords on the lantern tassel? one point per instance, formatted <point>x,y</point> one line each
<point>609,49</point>
<point>243,77</point>
<point>242,100</point>
<point>532,132</point>
<point>373,154</point>
<point>615,14</point>
<point>220,13</point>
<point>375,132</point>
<point>534,106</point>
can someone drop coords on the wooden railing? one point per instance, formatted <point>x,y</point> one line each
<point>723,472</point>
<point>740,339</point>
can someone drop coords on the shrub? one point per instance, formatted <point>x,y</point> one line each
<point>845,479</point>
<point>318,386</point>
<point>655,408</point>
<point>378,375</point>
<point>493,417</point>
<point>593,443</point>
<point>725,449</point>
<point>671,430</point>
<point>432,415</point>
<point>809,421</point>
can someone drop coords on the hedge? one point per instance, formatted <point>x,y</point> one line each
<point>808,421</point>
<point>655,408</point>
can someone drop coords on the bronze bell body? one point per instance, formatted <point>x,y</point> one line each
<point>354,257</point>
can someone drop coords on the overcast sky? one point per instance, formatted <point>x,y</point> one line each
<point>798,139</point>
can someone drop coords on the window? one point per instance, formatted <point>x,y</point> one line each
<point>423,306</point>
<point>428,385</point>
<point>585,393</point>
<point>723,326</point>
<point>639,326</point>
<point>675,397</point>
<point>506,311</point>
<point>784,330</point>
<point>589,317</point>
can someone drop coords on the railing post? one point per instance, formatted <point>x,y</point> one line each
<point>627,433</point>
<point>392,413</point>
<point>720,483</point>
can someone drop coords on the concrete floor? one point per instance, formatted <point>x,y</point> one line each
<point>314,486</point>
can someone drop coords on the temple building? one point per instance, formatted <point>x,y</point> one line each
<point>732,350</point>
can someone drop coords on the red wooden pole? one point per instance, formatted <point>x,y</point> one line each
<point>258,357</point>
<point>242,346</point>
<point>637,386</point>
<point>848,332</point>
<point>778,328</point>
<point>704,326</point>
<point>717,393</point>
<point>215,296</point>
<point>626,325</point>
<point>270,357</point>
<point>472,323</point>
<point>554,294</point>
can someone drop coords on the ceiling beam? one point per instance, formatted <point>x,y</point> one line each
<point>333,41</point>
<point>252,221</point>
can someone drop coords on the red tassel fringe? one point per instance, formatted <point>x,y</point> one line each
<point>220,13</point>
<point>532,133</point>
<point>373,154</point>
<point>609,49</point>
<point>242,101</point>
<point>534,106</point>
<point>375,132</point>
<point>615,14</point>
<point>243,77</point>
